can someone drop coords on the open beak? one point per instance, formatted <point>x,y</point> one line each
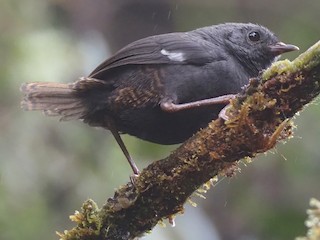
<point>281,47</point>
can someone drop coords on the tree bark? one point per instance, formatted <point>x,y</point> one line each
<point>255,121</point>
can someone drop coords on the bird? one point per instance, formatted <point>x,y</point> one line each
<point>162,88</point>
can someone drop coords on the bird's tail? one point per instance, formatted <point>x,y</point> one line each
<point>58,99</point>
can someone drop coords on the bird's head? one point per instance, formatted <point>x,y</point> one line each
<point>255,46</point>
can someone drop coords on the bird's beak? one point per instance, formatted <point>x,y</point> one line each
<point>281,47</point>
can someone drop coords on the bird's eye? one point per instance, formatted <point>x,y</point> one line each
<point>254,36</point>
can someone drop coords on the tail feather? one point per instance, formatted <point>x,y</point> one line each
<point>57,99</point>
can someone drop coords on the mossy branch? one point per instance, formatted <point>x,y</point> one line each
<point>313,221</point>
<point>257,119</point>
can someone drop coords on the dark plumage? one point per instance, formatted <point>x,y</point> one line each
<point>148,88</point>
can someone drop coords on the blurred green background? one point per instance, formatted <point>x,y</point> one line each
<point>47,168</point>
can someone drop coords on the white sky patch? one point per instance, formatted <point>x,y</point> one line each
<point>174,56</point>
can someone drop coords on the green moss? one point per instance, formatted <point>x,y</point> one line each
<point>309,58</point>
<point>88,221</point>
<point>278,68</point>
<point>313,221</point>
<point>305,61</point>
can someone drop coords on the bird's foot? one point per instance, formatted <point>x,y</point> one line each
<point>223,113</point>
<point>133,178</point>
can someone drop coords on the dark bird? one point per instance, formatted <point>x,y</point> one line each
<point>162,88</point>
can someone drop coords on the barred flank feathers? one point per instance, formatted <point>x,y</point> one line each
<point>57,99</point>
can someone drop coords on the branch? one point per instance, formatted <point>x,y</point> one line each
<point>257,119</point>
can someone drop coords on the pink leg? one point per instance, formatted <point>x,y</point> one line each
<point>172,107</point>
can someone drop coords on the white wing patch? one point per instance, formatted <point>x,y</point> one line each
<point>174,56</point>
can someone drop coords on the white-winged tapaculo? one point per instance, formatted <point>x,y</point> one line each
<point>162,88</point>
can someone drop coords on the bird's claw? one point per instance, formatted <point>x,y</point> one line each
<point>133,178</point>
<point>223,113</point>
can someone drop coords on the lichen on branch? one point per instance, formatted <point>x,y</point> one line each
<point>255,121</point>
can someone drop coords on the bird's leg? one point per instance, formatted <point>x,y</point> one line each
<point>116,135</point>
<point>168,106</point>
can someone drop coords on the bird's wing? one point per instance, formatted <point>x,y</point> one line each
<point>172,48</point>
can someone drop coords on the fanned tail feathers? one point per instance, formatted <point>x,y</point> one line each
<point>58,99</point>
